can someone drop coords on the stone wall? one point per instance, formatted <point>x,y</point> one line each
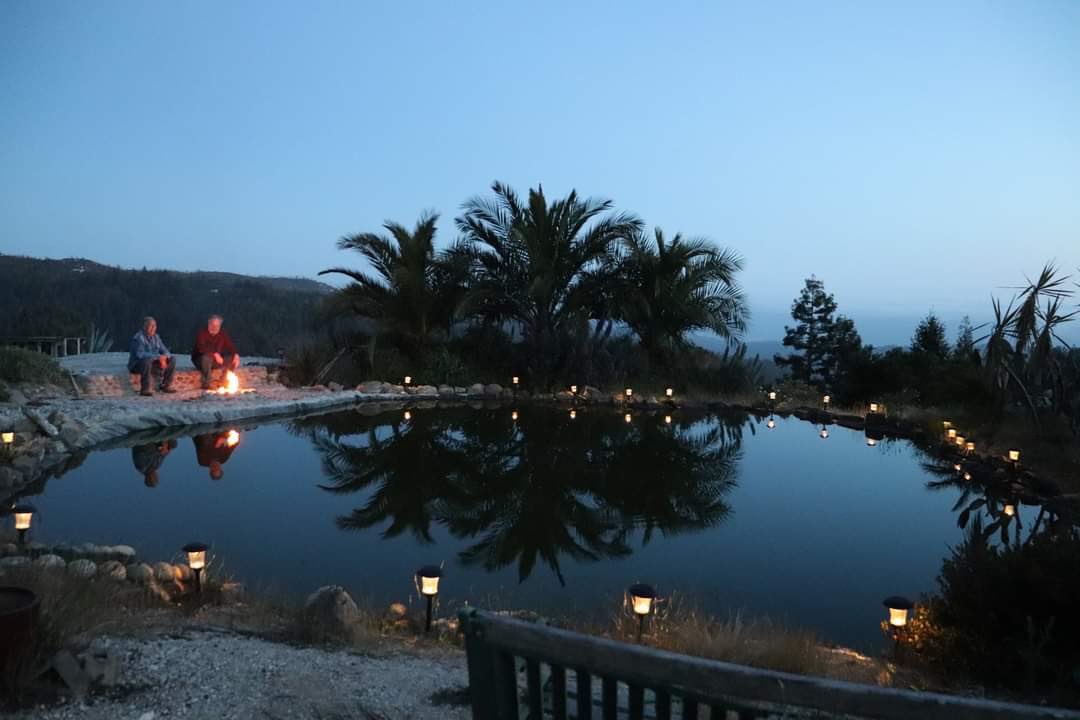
<point>124,384</point>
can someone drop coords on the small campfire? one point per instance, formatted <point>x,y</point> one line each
<point>231,386</point>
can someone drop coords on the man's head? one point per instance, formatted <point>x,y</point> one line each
<point>151,478</point>
<point>213,324</point>
<point>216,472</point>
<point>149,326</point>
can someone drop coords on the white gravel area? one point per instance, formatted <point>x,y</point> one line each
<point>221,676</point>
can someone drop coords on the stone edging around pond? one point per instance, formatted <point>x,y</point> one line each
<point>54,436</point>
<point>115,562</point>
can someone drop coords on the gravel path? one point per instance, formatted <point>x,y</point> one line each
<point>212,676</point>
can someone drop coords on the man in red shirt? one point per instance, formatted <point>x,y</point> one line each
<point>214,349</point>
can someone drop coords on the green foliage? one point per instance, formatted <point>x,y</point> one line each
<point>19,366</point>
<point>99,341</point>
<point>66,297</point>
<point>543,266</point>
<point>823,344</point>
<point>409,291</point>
<point>667,289</point>
<point>1006,612</point>
<point>965,340</point>
<point>929,339</point>
<point>1021,360</point>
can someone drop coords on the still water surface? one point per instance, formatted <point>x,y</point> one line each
<point>545,512</point>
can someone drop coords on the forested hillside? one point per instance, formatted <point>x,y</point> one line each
<point>64,297</point>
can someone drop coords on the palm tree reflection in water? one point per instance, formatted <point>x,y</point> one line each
<point>543,487</point>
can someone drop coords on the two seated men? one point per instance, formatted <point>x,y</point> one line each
<point>151,360</point>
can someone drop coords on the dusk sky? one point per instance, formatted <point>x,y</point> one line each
<point>913,155</point>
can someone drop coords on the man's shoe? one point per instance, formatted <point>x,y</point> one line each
<point>146,393</point>
<point>170,390</point>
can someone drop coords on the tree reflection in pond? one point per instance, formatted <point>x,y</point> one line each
<point>543,487</point>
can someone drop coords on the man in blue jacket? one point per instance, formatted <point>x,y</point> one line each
<point>149,357</point>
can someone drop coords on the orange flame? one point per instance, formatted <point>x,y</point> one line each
<point>231,386</point>
<point>232,439</point>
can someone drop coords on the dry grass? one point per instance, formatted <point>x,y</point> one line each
<point>758,642</point>
<point>71,611</point>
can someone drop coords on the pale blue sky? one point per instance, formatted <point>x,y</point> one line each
<point>912,154</point>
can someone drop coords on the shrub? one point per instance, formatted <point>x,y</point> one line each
<point>19,366</point>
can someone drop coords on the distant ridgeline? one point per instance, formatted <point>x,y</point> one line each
<point>64,297</point>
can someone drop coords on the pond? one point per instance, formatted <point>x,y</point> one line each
<point>539,511</point>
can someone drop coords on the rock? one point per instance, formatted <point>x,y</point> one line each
<point>164,572</point>
<point>459,390</point>
<point>9,478</point>
<point>124,553</point>
<point>38,419</point>
<point>494,390</point>
<point>113,569</point>
<point>14,561</point>
<point>84,550</point>
<point>331,609</point>
<point>9,549</point>
<point>82,568</point>
<point>72,434</point>
<point>374,387</point>
<point>335,386</point>
<point>476,389</point>
<point>50,562</point>
<point>427,391</point>
<point>139,572</point>
<point>564,396</point>
<point>396,610</point>
<point>446,391</point>
<point>183,573</point>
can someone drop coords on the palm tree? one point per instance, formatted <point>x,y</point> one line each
<point>539,264</point>
<point>670,289</point>
<point>407,288</point>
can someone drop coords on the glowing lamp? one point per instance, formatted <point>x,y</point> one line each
<point>772,394</point>
<point>967,477</point>
<point>196,559</point>
<point>669,392</point>
<point>24,515</point>
<point>824,433</point>
<point>514,380</point>
<point>573,389</point>
<point>946,424</point>
<point>1009,509</point>
<point>960,440</point>
<point>629,392</point>
<point>898,610</point>
<point>1014,456</point>
<point>642,599</point>
<point>628,418</point>
<point>951,433</point>
<point>573,414</point>
<point>7,438</point>
<point>427,579</point>
<point>871,442</point>
<point>408,379</point>
<point>873,407</point>
<point>514,415</point>
<point>969,446</point>
<point>956,467</point>
<point>407,415</point>
<point>667,419</point>
<point>771,424</point>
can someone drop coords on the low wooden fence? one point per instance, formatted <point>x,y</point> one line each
<point>568,675</point>
<point>54,346</point>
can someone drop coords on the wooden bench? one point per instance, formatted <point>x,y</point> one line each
<point>569,675</point>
